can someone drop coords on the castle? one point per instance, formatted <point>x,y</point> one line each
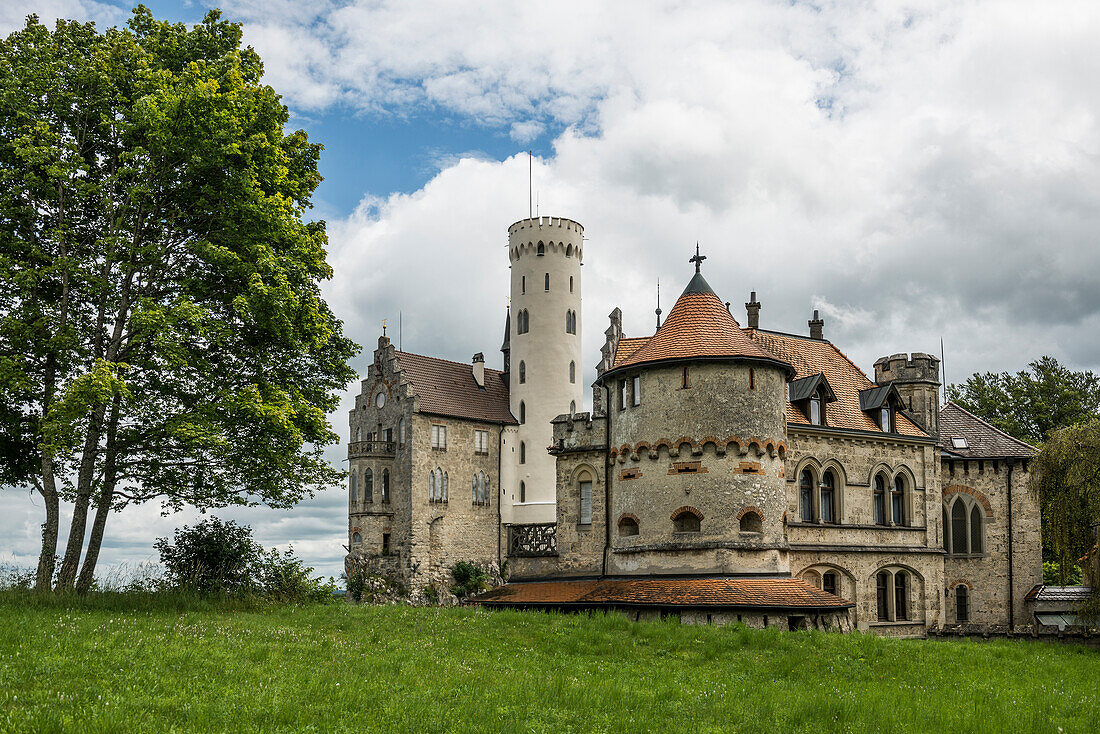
<point>725,473</point>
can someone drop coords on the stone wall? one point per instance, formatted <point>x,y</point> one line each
<point>712,449</point>
<point>986,483</point>
<point>855,547</point>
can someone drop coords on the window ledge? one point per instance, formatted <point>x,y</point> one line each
<point>895,623</point>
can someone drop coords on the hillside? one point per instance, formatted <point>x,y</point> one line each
<point>345,668</point>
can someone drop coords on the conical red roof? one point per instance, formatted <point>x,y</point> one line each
<point>699,327</point>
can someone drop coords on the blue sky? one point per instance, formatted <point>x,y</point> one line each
<point>913,171</point>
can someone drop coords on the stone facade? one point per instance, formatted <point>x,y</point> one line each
<point>711,451</point>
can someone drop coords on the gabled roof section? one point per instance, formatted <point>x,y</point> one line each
<point>698,327</point>
<point>875,397</point>
<point>448,388</point>
<point>811,356</point>
<point>804,388</point>
<point>738,593</point>
<point>983,441</point>
<point>627,347</point>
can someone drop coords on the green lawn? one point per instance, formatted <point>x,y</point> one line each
<point>89,668</point>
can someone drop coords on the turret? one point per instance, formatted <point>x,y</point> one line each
<point>545,354</point>
<point>917,378</point>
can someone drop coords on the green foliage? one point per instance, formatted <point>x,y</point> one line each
<point>218,557</point>
<point>162,330</point>
<point>1033,402</point>
<point>469,579</point>
<point>1065,477</point>
<point>285,668</point>
<point>1053,574</point>
<point>431,594</point>
<point>355,584</point>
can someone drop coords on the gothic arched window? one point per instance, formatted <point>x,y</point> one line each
<point>523,452</point>
<point>385,485</point>
<point>897,501</point>
<point>572,372</point>
<point>522,372</point>
<point>962,604</point>
<point>354,489</point>
<point>522,492</point>
<point>806,496</point>
<point>828,497</point>
<point>541,250</point>
<point>368,485</point>
<point>522,412</point>
<point>880,499</point>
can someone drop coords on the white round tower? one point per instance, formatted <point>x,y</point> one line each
<point>545,375</point>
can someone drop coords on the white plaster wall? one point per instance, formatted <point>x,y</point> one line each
<point>546,350</point>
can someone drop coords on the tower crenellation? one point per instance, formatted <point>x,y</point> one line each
<point>917,378</point>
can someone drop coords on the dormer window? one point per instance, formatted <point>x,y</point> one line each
<point>816,410</point>
<point>885,419</point>
<point>959,443</point>
<point>881,404</point>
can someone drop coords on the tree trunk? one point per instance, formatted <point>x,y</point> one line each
<point>103,507</point>
<point>47,559</point>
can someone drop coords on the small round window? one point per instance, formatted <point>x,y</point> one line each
<point>380,400</point>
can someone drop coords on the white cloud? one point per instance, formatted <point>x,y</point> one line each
<point>13,15</point>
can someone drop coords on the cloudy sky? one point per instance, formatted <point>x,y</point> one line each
<point>915,171</point>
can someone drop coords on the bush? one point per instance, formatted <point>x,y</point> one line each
<point>470,579</point>
<point>220,557</point>
<point>1052,575</point>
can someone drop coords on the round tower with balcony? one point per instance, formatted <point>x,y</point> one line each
<point>545,358</point>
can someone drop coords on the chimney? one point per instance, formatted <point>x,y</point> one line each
<point>753,308</point>
<point>816,327</point>
<point>479,369</point>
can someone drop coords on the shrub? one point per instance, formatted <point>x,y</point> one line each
<point>355,584</point>
<point>1052,575</point>
<point>469,579</point>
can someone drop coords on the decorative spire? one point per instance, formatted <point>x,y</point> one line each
<point>698,259</point>
<point>383,327</point>
<point>658,310</point>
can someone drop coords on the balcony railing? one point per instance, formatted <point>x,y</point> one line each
<point>533,541</point>
<point>383,449</point>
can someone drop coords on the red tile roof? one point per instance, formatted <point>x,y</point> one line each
<point>448,389</point>
<point>742,593</point>
<point>699,326</point>
<point>627,347</point>
<point>811,356</point>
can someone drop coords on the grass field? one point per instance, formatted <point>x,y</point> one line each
<point>106,666</point>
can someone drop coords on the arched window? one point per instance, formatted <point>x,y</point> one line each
<point>882,595</point>
<point>368,485</point>
<point>901,596</point>
<point>806,496</point>
<point>444,486</point>
<point>431,487</point>
<point>522,492</point>
<point>356,538</point>
<point>523,452</point>
<point>572,407</point>
<point>828,497</point>
<point>880,499</point>
<point>966,533</point>
<point>627,526</point>
<point>975,530</point>
<point>572,372</point>
<point>571,281</point>
<point>359,433</point>
<point>945,529</point>
<point>522,412</point>
<point>541,250</point>
<point>385,485</point>
<point>569,250</point>
<point>401,432</point>
<point>475,491</point>
<point>962,604</point>
<point>897,501</point>
<point>752,378</point>
<point>354,489</point>
<point>546,282</point>
<point>884,418</point>
<point>686,522</point>
<point>829,582</point>
<point>522,372</point>
<point>585,486</point>
<point>751,523</point>
<point>523,284</point>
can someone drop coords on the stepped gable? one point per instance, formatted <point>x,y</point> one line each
<point>448,388</point>
<point>732,593</point>
<point>698,327</point>
<point>812,356</point>
<point>983,440</point>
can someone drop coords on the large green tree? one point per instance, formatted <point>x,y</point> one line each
<point>162,328</point>
<point>1033,402</point>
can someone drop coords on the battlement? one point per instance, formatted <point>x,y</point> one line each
<point>919,367</point>
<point>545,223</point>
<point>578,432</point>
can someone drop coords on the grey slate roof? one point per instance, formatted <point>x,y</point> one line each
<point>983,440</point>
<point>873,398</point>
<point>803,388</point>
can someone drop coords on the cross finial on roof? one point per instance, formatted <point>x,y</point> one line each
<point>698,259</point>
